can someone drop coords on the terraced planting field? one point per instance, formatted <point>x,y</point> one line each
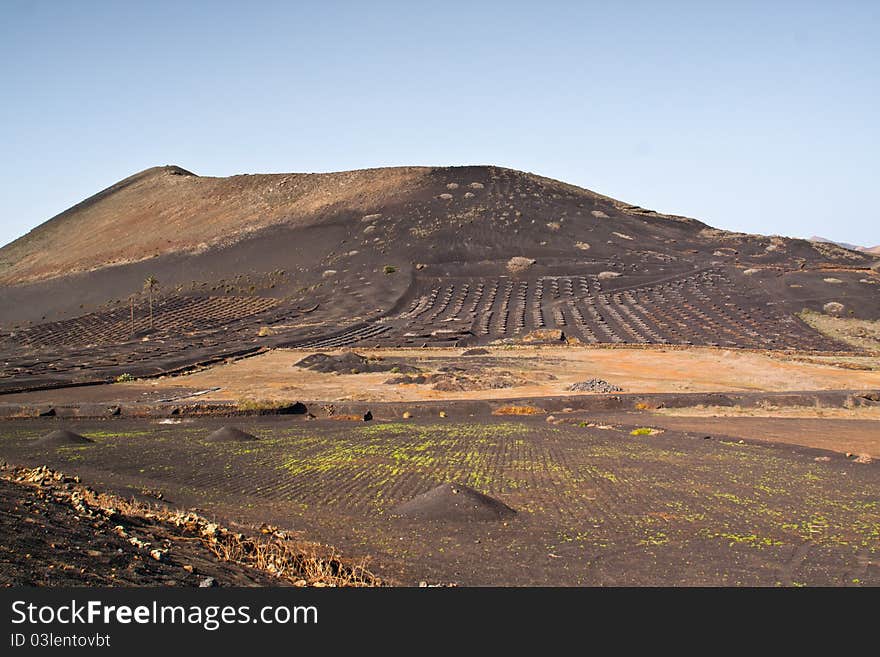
<point>596,502</point>
<point>700,308</point>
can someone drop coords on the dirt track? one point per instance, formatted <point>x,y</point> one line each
<point>550,370</point>
<point>855,436</point>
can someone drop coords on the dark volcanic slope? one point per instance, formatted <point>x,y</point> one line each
<point>406,256</point>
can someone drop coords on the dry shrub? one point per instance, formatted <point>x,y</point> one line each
<point>302,564</point>
<point>833,308</point>
<point>645,431</point>
<point>518,410</point>
<point>297,562</point>
<point>519,264</point>
<point>347,418</point>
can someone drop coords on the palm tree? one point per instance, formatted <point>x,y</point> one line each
<point>150,284</point>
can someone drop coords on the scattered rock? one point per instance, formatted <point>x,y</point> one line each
<point>479,351</point>
<point>208,583</point>
<point>352,363</point>
<point>455,379</point>
<point>114,411</point>
<point>832,281</point>
<point>605,275</point>
<point>583,246</point>
<point>599,214</point>
<point>476,185</point>
<point>48,413</point>
<point>594,385</point>
<point>368,416</point>
<point>406,379</point>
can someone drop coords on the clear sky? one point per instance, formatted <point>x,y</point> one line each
<point>760,117</point>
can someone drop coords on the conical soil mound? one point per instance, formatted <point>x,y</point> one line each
<point>63,437</point>
<point>228,434</point>
<point>453,502</point>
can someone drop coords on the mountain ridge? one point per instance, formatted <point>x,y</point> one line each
<point>873,250</point>
<point>397,257</point>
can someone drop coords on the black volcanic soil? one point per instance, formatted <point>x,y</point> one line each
<point>61,437</point>
<point>595,504</point>
<point>230,434</point>
<point>452,502</point>
<point>394,257</point>
<point>50,539</point>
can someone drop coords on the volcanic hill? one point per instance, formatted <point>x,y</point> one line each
<point>393,257</point>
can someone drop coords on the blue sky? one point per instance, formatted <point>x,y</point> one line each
<point>760,116</point>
